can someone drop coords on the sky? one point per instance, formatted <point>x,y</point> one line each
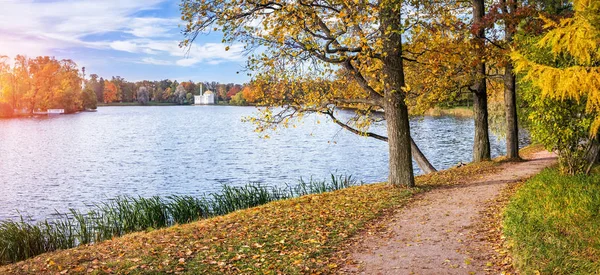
<point>134,39</point>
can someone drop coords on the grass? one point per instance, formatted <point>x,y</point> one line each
<point>460,111</point>
<point>293,236</point>
<point>553,224</point>
<point>20,240</point>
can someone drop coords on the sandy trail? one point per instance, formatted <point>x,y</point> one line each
<point>431,236</point>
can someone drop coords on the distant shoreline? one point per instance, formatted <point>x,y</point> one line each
<point>129,104</point>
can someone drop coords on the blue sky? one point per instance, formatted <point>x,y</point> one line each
<point>133,39</point>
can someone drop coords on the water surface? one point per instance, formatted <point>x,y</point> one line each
<point>73,161</point>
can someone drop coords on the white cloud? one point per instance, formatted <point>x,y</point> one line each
<point>212,53</point>
<point>152,27</point>
<point>125,46</point>
<point>43,28</point>
<point>150,60</point>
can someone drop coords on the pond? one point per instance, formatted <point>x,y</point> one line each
<point>75,161</point>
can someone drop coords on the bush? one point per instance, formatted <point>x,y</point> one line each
<point>561,126</point>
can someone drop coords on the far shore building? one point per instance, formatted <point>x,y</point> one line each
<point>207,98</point>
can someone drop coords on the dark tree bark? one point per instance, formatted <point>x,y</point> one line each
<point>510,90</point>
<point>481,145</point>
<point>510,104</point>
<point>396,112</point>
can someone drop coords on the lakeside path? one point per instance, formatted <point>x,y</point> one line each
<point>437,233</point>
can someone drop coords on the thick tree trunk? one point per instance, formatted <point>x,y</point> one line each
<point>421,159</point>
<point>510,90</point>
<point>396,112</point>
<point>510,104</point>
<point>400,162</point>
<point>481,144</point>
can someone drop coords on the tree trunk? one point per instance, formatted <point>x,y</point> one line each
<point>510,90</point>
<point>481,144</point>
<point>420,158</point>
<point>510,103</point>
<point>396,112</point>
<point>593,153</point>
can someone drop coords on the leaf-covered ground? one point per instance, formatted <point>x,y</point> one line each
<point>295,236</point>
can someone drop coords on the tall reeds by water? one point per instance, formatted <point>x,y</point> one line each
<point>21,239</point>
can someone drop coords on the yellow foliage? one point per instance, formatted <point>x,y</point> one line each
<point>578,38</point>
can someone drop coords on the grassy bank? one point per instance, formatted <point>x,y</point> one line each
<point>292,236</point>
<point>552,224</point>
<point>454,111</point>
<point>20,240</point>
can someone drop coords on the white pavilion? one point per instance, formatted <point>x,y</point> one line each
<point>206,98</point>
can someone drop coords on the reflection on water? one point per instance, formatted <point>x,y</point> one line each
<point>76,160</point>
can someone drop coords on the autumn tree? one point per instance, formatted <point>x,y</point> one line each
<point>221,91</point>
<point>306,43</point>
<point>110,92</point>
<point>88,99</point>
<point>190,87</point>
<point>67,94</point>
<point>564,64</point>
<point>180,94</point>
<point>250,94</point>
<point>233,91</point>
<point>238,99</point>
<point>143,95</point>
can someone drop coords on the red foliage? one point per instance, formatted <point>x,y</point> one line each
<point>233,91</point>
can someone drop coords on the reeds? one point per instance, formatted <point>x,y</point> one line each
<point>20,240</point>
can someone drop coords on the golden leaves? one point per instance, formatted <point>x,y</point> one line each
<point>576,39</point>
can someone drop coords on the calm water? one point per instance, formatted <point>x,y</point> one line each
<point>74,161</point>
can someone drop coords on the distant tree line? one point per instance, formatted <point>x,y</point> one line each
<point>117,89</point>
<point>29,85</point>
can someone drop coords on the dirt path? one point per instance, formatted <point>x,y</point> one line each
<point>431,236</point>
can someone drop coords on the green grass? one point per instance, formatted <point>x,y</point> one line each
<point>553,224</point>
<point>459,111</point>
<point>20,240</point>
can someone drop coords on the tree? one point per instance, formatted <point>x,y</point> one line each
<point>307,42</point>
<point>564,65</point>
<point>157,96</point>
<point>167,95</point>
<point>88,99</point>
<point>238,99</point>
<point>97,86</point>
<point>180,94</point>
<point>233,91</point>
<point>221,92</point>
<point>481,144</point>
<point>110,92</point>
<point>143,95</point>
<point>67,94</point>
<point>249,94</point>
<point>190,86</point>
